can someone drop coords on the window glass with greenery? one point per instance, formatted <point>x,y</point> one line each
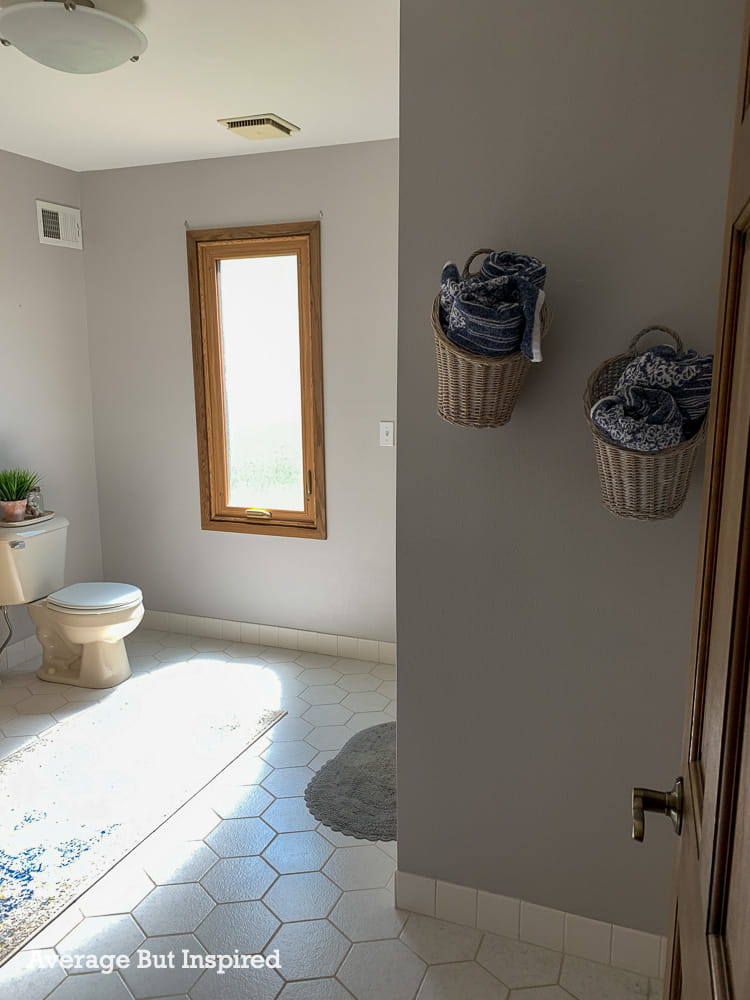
<point>255,307</point>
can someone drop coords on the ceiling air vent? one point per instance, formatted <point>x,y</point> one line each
<point>59,224</point>
<point>259,126</point>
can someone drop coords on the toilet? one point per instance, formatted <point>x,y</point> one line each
<point>81,627</point>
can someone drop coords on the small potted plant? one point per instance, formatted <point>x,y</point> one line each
<point>15,485</point>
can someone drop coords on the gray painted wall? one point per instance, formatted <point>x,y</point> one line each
<point>45,405</point>
<point>543,643</point>
<point>143,386</point>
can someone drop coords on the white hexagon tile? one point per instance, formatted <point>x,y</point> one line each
<point>245,866</point>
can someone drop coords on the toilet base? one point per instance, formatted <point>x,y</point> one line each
<point>84,650</point>
<point>100,665</point>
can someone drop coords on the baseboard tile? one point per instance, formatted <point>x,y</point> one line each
<point>415,893</point>
<point>609,944</point>
<point>351,647</point>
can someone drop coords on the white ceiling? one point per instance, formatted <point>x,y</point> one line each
<point>329,66</point>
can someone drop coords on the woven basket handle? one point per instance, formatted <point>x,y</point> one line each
<point>467,273</point>
<point>633,348</point>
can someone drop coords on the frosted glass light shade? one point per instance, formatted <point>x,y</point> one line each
<point>83,40</point>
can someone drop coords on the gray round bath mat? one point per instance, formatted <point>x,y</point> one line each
<point>355,792</point>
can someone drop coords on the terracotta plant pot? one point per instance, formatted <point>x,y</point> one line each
<point>12,510</point>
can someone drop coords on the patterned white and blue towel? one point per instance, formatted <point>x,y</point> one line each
<point>686,376</point>
<point>498,310</point>
<point>661,399</point>
<point>451,285</point>
<point>640,419</point>
<point>503,262</point>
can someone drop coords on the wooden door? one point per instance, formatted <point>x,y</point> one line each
<point>709,957</point>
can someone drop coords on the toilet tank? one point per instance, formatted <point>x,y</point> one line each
<point>32,560</point>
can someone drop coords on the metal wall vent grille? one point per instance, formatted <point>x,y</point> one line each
<point>51,224</point>
<point>59,224</point>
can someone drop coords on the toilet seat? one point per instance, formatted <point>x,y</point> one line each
<point>95,598</point>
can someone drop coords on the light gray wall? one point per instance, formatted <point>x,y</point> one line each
<point>143,386</point>
<point>45,405</point>
<point>543,643</point>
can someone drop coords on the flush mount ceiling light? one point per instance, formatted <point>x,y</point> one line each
<point>71,37</point>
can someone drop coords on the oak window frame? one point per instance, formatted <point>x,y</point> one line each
<point>205,248</point>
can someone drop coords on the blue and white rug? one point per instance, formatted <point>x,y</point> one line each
<point>80,797</point>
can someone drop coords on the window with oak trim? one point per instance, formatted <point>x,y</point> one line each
<point>257,355</point>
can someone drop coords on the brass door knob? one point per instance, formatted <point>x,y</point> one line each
<point>668,803</point>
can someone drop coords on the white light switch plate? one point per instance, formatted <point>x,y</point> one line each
<point>386,433</point>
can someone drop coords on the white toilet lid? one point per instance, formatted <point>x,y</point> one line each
<point>96,597</point>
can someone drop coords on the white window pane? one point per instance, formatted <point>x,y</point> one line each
<point>260,329</point>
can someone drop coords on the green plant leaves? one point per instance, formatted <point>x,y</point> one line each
<point>16,484</point>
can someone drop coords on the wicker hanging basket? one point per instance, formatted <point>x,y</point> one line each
<point>473,390</point>
<point>648,486</point>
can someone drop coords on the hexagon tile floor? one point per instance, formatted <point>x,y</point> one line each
<point>243,867</point>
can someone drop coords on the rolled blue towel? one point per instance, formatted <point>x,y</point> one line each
<point>509,262</point>
<point>639,418</point>
<point>686,376</point>
<point>451,285</point>
<point>497,316</point>
<point>498,264</point>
